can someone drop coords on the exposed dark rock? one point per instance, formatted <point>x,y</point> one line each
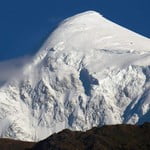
<point>8,144</point>
<point>114,137</point>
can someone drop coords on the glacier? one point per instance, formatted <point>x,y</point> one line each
<point>89,72</point>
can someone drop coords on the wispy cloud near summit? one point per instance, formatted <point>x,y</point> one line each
<point>10,68</point>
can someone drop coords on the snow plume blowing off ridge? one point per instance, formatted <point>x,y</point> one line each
<point>89,72</point>
<point>10,68</point>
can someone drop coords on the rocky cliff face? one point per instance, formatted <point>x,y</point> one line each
<point>89,72</point>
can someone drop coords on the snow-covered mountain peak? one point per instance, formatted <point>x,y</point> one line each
<point>91,31</point>
<point>89,72</point>
<point>84,20</point>
<point>90,34</point>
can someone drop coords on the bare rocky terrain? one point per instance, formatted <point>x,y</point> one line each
<point>112,137</point>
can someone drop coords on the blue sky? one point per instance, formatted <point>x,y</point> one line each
<point>25,24</point>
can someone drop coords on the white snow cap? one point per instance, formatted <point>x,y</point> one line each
<point>92,28</point>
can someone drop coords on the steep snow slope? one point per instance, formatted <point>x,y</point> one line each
<point>89,72</point>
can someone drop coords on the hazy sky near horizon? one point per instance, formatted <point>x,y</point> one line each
<point>25,24</point>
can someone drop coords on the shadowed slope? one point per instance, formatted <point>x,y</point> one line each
<point>115,137</point>
<point>8,144</point>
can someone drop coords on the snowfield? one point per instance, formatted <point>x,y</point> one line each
<point>89,72</point>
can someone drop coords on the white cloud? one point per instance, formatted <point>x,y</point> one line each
<point>10,68</point>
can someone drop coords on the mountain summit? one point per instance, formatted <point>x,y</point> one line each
<point>89,72</point>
